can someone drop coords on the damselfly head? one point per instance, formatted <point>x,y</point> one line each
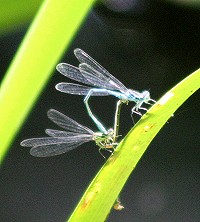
<point>104,141</point>
<point>145,95</point>
<point>110,132</point>
<point>136,96</point>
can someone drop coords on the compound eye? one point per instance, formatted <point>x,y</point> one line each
<point>146,94</point>
<point>110,131</point>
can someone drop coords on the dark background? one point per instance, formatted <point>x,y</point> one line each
<point>153,45</point>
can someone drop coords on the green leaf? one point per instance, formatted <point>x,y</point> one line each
<point>50,33</point>
<point>101,194</point>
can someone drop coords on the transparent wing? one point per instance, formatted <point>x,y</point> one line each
<point>54,149</point>
<point>67,123</point>
<point>77,89</point>
<point>96,78</point>
<point>85,58</point>
<point>83,73</point>
<point>58,133</point>
<point>72,72</point>
<point>45,141</point>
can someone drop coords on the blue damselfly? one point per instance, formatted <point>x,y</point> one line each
<point>103,83</point>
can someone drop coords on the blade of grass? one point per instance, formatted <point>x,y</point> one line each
<point>49,35</point>
<point>101,194</point>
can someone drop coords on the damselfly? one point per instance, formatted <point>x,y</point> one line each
<point>103,83</point>
<point>60,142</point>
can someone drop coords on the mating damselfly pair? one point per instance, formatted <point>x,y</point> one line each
<point>98,82</point>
